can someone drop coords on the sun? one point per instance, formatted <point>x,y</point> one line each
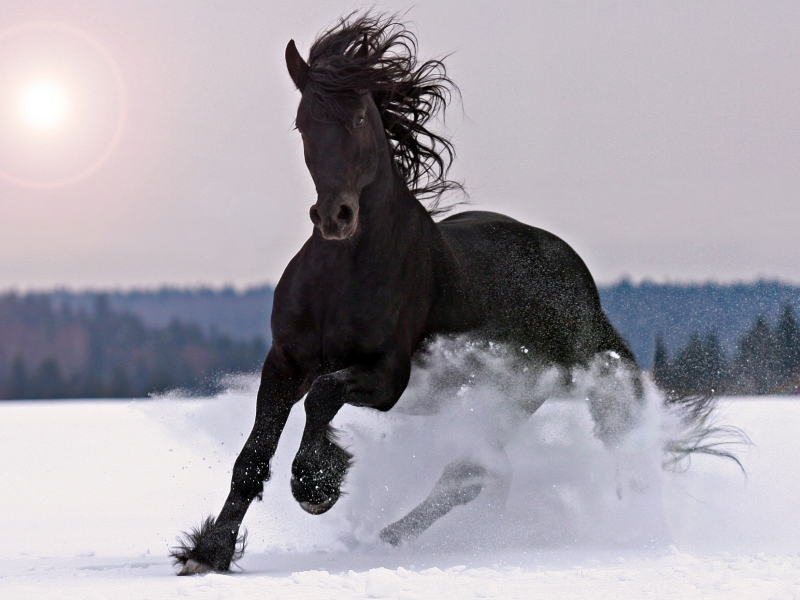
<point>43,104</point>
<point>62,105</point>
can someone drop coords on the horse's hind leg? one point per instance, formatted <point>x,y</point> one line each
<point>616,396</point>
<point>464,479</point>
<point>460,484</point>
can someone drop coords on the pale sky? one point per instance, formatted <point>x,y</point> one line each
<point>660,139</point>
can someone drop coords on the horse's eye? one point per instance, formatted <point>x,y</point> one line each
<point>359,121</point>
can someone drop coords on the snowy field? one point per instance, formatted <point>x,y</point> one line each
<point>94,493</point>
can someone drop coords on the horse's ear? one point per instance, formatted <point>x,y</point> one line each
<point>363,51</point>
<point>298,68</point>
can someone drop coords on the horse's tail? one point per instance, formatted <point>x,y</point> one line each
<point>695,428</point>
<point>698,432</point>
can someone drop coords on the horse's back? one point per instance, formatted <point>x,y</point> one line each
<point>530,287</point>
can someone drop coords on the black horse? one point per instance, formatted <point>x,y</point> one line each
<point>379,278</point>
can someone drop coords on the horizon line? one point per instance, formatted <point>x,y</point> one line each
<point>241,289</point>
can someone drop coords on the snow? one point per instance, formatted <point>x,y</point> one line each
<point>94,493</point>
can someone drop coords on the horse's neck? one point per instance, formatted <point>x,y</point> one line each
<point>392,217</point>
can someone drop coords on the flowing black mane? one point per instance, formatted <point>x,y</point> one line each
<point>408,94</point>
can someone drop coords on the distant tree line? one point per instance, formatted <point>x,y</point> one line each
<point>642,310</point>
<point>766,361</point>
<point>48,352</point>
<point>129,344</point>
<point>638,311</point>
<point>241,315</point>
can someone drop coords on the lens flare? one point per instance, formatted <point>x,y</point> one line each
<point>43,104</point>
<point>62,105</point>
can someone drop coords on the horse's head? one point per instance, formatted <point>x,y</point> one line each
<point>341,138</point>
<point>367,102</point>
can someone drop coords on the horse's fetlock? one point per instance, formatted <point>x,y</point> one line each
<point>212,546</point>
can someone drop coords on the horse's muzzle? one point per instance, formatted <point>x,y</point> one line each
<point>336,217</point>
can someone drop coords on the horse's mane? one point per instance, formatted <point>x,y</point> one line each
<point>408,94</point>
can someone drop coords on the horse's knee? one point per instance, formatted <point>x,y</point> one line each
<point>462,470</point>
<point>463,481</point>
<point>247,482</point>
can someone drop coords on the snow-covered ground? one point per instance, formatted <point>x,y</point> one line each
<point>92,495</point>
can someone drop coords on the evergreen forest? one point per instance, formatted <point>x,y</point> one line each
<point>766,361</point>
<point>61,352</point>
<point>730,338</point>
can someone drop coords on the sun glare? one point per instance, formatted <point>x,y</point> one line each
<point>62,105</point>
<point>43,104</point>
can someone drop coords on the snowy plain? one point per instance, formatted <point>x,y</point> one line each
<point>93,494</point>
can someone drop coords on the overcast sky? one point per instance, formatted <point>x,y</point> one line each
<point>660,139</point>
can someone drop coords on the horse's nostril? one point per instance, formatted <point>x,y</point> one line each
<point>314,214</point>
<point>345,214</point>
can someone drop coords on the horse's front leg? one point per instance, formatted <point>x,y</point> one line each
<point>213,545</point>
<point>321,464</point>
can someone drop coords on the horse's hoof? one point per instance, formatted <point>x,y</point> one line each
<point>318,509</point>
<point>192,567</point>
<point>391,535</point>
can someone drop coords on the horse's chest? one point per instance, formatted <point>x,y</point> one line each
<point>333,313</point>
<point>337,333</point>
